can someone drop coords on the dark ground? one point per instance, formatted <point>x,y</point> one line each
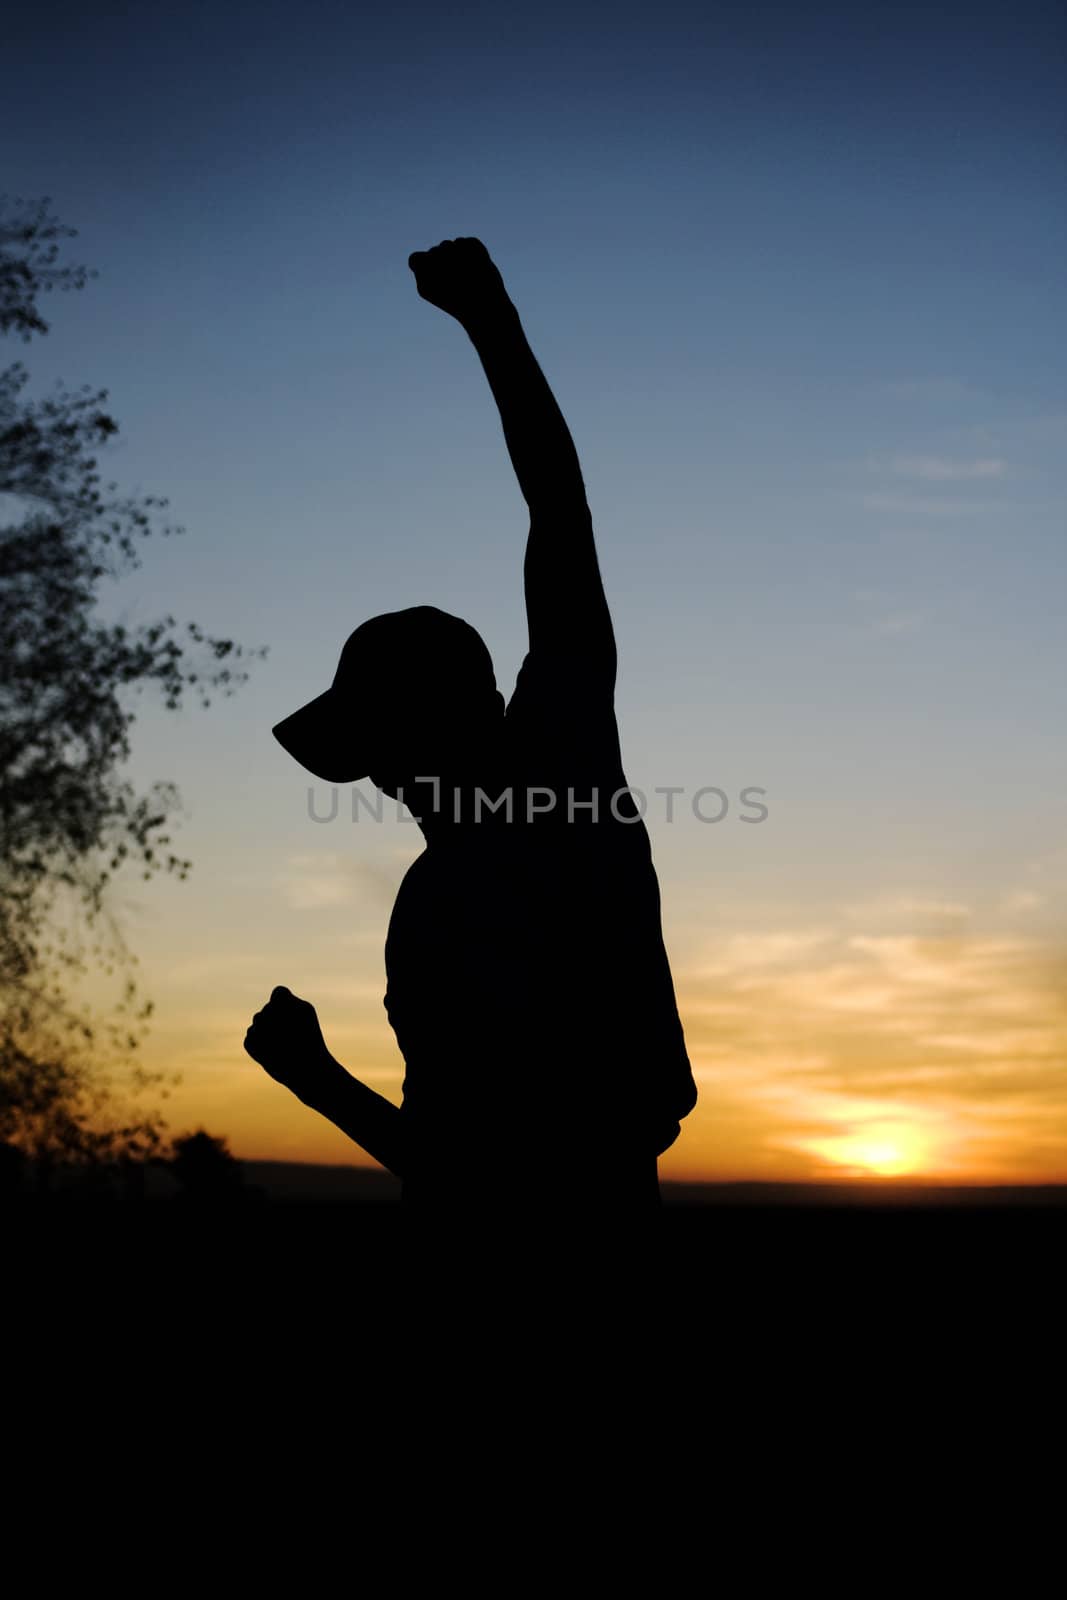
<point>776,1368</point>
<point>889,1238</point>
<point>284,1181</point>
<point>879,1321</point>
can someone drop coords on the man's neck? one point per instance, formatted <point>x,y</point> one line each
<point>458,815</point>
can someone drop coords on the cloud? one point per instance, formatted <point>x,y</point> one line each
<point>940,469</point>
<point>321,881</point>
<point>922,506</point>
<point>935,391</point>
<point>1022,434</point>
<point>1022,900</point>
<point>897,622</point>
<point>742,953</point>
<point>910,909</point>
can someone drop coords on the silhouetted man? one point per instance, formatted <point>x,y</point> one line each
<point>527,980</point>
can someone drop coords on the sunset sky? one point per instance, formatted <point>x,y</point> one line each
<point>795,274</point>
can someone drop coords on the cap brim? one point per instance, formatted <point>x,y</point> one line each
<point>319,737</point>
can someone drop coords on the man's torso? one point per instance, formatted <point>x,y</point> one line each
<point>528,984</point>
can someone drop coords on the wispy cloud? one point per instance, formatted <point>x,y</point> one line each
<point>942,391</point>
<point>910,911</point>
<point>884,616</point>
<point>317,882</point>
<point>922,505</point>
<point>897,622</point>
<point>1025,434</point>
<point>941,469</point>
<point>1022,900</point>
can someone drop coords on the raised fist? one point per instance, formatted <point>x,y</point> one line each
<point>286,1039</point>
<point>459,275</point>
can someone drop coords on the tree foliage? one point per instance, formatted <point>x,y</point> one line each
<point>69,818</point>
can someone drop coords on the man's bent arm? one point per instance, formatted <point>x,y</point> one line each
<point>371,1121</point>
<point>285,1037</point>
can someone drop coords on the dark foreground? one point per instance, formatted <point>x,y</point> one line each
<point>904,1244</point>
<point>298,1183</point>
<point>279,1189</point>
<point>883,1324</point>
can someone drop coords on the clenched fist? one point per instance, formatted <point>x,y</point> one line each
<point>459,275</point>
<point>286,1039</point>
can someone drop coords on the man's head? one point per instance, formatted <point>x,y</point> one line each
<point>414,695</point>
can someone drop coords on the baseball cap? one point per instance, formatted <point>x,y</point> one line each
<point>396,659</point>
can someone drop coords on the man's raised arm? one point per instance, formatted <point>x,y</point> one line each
<point>565,602</point>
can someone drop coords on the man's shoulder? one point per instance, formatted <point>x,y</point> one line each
<point>557,708</point>
<point>567,676</point>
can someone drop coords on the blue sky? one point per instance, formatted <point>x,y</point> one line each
<point>795,275</point>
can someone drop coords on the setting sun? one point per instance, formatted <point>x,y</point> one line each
<point>888,1150</point>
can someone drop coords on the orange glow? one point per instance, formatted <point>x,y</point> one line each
<point>888,1149</point>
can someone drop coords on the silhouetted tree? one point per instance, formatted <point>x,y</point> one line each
<point>206,1169</point>
<point>69,820</point>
